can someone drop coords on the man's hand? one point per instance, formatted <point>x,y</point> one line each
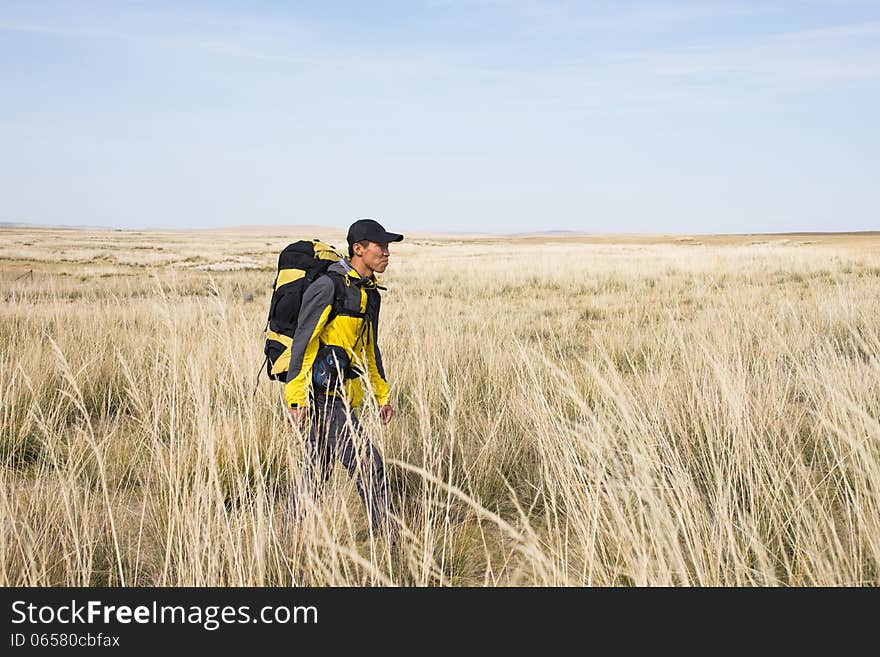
<point>385,413</point>
<point>297,416</point>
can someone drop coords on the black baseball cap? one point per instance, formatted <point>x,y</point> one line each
<point>367,229</point>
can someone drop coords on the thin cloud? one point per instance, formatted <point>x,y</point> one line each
<point>811,57</point>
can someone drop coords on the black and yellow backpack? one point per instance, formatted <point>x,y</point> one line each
<point>299,265</point>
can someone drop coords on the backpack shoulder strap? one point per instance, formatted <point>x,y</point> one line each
<point>338,293</point>
<point>374,303</point>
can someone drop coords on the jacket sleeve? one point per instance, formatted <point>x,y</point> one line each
<point>374,363</point>
<point>316,305</point>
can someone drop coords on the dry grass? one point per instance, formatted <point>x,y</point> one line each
<point>651,411</point>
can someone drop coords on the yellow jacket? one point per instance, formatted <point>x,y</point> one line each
<point>318,325</point>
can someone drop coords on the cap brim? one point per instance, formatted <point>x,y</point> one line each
<point>390,237</point>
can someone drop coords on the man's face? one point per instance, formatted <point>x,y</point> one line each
<point>374,255</point>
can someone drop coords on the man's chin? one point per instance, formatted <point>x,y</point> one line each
<point>381,268</point>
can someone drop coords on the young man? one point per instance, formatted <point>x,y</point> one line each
<point>334,346</point>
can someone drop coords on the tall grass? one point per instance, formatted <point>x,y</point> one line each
<point>567,414</point>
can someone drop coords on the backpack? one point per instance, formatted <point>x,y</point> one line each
<point>299,264</point>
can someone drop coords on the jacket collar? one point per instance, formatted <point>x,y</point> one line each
<point>344,267</point>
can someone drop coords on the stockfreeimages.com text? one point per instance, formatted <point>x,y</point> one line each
<point>210,617</point>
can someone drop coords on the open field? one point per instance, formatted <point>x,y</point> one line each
<point>608,410</point>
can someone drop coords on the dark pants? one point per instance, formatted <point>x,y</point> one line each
<point>336,433</point>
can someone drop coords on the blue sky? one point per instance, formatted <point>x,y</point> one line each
<point>483,115</point>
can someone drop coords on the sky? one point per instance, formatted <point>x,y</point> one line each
<point>445,115</point>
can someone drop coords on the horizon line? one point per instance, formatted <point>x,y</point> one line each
<point>534,233</point>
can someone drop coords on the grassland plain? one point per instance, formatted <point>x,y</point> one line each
<point>648,410</point>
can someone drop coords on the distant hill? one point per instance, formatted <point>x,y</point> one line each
<point>312,230</point>
<point>20,224</point>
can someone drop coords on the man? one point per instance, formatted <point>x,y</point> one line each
<point>335,344</point>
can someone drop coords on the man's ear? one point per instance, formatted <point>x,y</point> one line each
<point>358,249</point>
